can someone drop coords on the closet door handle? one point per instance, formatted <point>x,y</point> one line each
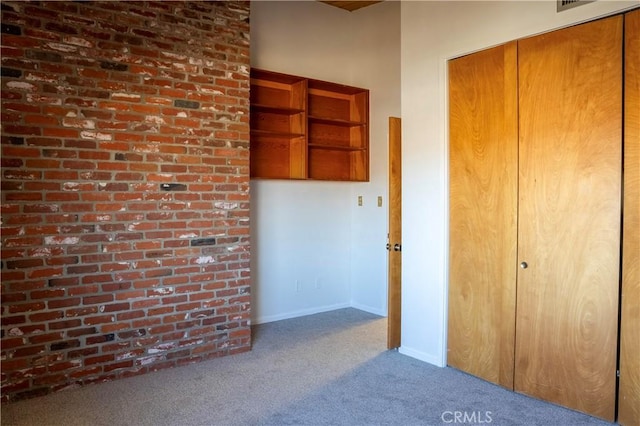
<point>524,265</point>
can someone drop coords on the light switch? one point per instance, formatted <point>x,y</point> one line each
<point>360,200</point>
<point>379,200</point>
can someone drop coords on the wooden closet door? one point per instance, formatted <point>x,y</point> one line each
<point>483,142</point>
<point>629,392</point>
<point>570,155</point>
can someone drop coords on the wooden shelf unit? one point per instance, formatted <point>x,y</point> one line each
<point>308,129</point>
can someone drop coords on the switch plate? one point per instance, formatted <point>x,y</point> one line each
<point>360,200</point>
<point>379,200</point>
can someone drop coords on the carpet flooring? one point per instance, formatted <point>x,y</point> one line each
<point>324,369</point>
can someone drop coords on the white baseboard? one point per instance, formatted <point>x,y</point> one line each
<point>422,356</point>
<point>369,309</point>
<point>299,313</point>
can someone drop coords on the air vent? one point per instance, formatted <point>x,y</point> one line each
<point>569,4</point>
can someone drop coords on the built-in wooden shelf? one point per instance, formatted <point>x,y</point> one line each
<point>335,122</point>
<point>272,134</point>
<point>276,109</point>
<point>308,129</point>
<point>336,147</point>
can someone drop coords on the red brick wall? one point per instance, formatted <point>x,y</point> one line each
<point>125,189</point>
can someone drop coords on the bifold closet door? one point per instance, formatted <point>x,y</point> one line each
<point>483,160</point>
<point>570,170</point>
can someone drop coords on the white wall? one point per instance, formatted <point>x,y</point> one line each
<point>432,33</point>
<point>375,65</point>
<point>313,248</point>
